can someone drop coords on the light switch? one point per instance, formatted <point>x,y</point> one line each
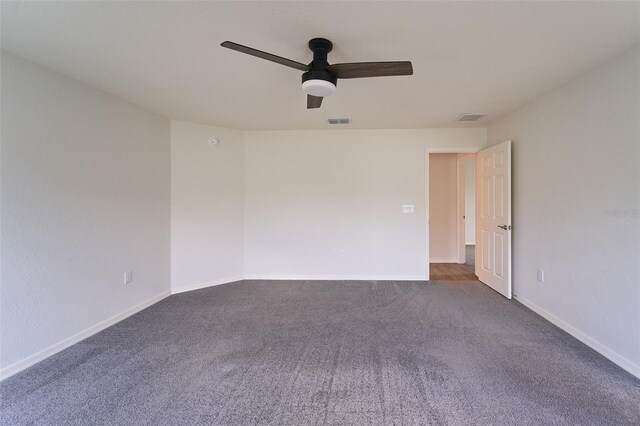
<point>407,208</point>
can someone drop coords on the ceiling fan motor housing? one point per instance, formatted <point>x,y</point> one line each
<point>319,75</point>
<point>320,48</point>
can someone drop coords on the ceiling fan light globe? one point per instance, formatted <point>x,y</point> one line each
<point>319,88</point>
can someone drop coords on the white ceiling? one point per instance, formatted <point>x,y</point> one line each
<point>488,57</point>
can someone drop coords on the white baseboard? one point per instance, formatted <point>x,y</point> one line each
<point>470,243</point>
<point>72,340</point>
<point>614,357</point>
<point>339,277</point>
<point>444,260</point>
<point>15,368</point>
<point>198,286</point>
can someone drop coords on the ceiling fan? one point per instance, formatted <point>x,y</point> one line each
<point>320,78</point>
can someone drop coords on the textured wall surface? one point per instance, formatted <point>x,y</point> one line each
<point>443,197</point>
<point>576,205</point>
<point>207,206</point>
<point>85,197</point>
<point>310,193</point>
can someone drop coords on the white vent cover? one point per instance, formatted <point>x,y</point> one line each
<point>474,116</point>
<point>341,120</point>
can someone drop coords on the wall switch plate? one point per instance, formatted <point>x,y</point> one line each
<point>342,252</point>
<point>128,276</point>
<point>540,275</point>
<point>407,208</point>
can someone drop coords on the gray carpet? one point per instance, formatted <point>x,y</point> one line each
<point>335,353</point>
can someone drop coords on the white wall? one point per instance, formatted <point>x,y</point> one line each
<point>207,206</point>
<point>443,209</point>
<point>470,200</point>
<point>310,192</point>
<point>85,197</point>
<point>576,194</point>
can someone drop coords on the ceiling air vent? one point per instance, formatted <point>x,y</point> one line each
<point>470,116</point>
<point>341,120</point>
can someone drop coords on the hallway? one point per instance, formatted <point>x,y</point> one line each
<point>455,271</point>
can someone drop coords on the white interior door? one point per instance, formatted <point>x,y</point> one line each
<point>493,213</point>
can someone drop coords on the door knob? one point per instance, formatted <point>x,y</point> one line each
<point>505,227</point>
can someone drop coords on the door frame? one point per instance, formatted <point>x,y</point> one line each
<point>429,151</point>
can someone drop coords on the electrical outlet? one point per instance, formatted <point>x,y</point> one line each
<point>407,208</point>
<point>540,275</point>
<point>128,277</point>
<point>343,252</point>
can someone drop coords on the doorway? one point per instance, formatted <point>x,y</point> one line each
<point>451,216</point>
<point>492,222</point>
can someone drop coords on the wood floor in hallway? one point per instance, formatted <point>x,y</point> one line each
<point>456,271</point>
<point>451,272</point>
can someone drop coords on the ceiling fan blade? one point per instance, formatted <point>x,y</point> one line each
<point>264,55</point>
<point>371,69</point>
<point>314,101</point>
